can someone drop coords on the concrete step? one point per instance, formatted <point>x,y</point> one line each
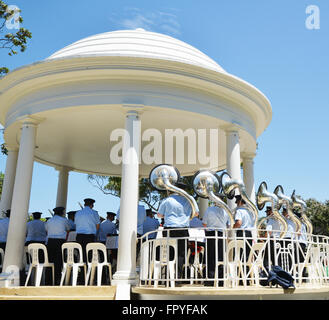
<point>58,293</point>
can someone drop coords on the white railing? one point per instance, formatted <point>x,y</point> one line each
<point>222,259</point>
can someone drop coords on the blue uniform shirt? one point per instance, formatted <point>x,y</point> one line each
<point>72,225</point>
<point>216,217</point>
<point>176,211</point>
<point>57,227</point>
<point>244,215</point>
<point>4,224</point>
<point>86,220</point>
<point>196,223</point>
<point>105,228</point>
<point>36,231</point>
<point>150,224</point>
<point>273,226</point>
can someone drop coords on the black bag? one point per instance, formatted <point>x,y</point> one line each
<point>277,276</point>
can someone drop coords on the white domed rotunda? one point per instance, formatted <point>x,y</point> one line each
<point>63,112</point>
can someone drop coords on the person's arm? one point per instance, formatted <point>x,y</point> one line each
<point>238,220</point>
<point>237,224</point>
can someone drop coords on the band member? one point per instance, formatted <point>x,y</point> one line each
<point>87,223</point>
<point>244,223</point>
<point>57,228</point>
<point>289,238</point>
<point>36,231</point>
<point>176,211</point>
<point>150,224</point>
<point>4,224</point>
<point>216,220</point>
<point>273,232</point>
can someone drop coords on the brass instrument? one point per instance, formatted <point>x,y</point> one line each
<point>206,185</point>
<point>300,204</point>
<point>263,196</point>
<point>283,199</point>
<point>229,185</point>
<point>164,177</point>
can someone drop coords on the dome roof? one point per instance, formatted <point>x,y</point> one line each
<point>137,43</point>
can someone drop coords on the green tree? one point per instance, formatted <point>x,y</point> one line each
<point>318,213</point>
<point>147,194</point>
<point>11,41</point>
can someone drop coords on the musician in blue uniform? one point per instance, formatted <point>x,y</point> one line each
<point>107,227</point>
<point>70,217</point>
<point>4,224</point>
<point>87,223</point>
<point>36,231</point>
<point>57,228</point>
<point>150,224</point>
<point>216,220</point>
<point>176,211</point>
<point>244,223</point>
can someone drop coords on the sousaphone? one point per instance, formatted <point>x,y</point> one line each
<point>287,201</point>
<point>206,185</point>
<point>262,197</point>
<point>228,186</point>
<point>164,178</point>
<point>300,204</point>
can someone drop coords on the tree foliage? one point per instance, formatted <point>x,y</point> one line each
<point>12,42</point>
<point>147,194</point>
<point>318,212</point>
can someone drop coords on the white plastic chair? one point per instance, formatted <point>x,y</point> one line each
<point>234,262</point>
<point>33,251</point>
<point>196,266</point>
<point>95,264</point>
<point>2,255</point>
<point>69,265</point>
<point>255,262</point>
<point>163,246</point>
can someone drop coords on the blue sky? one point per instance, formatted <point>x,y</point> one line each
<point>263,42</point>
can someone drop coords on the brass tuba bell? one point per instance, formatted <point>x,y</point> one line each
<point>301,204</point>
<point>164,177</point>
<point>206,185</point>
<point>229,185</point>
<point>287,201</point>
<point>263,196</point>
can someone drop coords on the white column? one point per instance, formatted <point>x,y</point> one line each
<point>233,157</point>
<point>63,178</point>
<point>21,196</point>
<point>248,175</point>
<point>9,179</point>
<point>126,264</point>
<point>203,205</point>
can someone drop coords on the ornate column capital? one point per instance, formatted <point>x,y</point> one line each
<point>133,109</point>
<point>63,168</point>
<point>30,120</point>
<point>248,155</point>
<point>231,128</point>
